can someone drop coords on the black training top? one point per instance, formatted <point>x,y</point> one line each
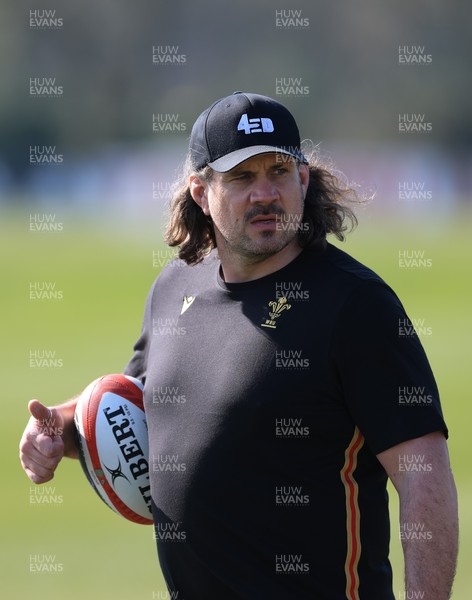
<point>267,402</point>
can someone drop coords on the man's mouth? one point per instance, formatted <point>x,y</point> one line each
<point>264,222</point>
<point>272,218</point>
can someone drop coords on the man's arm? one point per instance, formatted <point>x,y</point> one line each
<point>48,437</point>
<point>420,471</point>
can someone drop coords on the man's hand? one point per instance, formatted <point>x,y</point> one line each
<point>420,471</point>
<point>48,437</point>
<point>42,447</point>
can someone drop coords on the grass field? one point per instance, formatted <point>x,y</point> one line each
<point>104,269</point>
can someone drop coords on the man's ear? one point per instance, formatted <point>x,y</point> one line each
<point>304,177</point>
<point>198,190</point>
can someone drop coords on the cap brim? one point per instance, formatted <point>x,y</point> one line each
<point>233,159</point>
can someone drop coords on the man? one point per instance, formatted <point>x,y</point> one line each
<point>287,366</point>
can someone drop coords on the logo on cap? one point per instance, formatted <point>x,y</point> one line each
<point>255,125</point>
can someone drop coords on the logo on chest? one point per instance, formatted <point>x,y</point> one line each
<point>187,303</point>
<point>277,307</point>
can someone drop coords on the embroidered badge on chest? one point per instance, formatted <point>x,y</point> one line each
<point>277,309</point>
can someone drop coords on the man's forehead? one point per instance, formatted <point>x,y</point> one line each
<point>267,160</point>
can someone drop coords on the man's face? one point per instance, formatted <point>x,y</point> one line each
<point>256,207</point>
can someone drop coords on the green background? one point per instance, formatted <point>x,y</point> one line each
<point>104,268</point>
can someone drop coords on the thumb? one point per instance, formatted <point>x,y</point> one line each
<point>49,420</point>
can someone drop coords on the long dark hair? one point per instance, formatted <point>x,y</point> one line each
<point>326,212</point>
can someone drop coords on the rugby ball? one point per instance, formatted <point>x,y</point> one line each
<point>112,437</point>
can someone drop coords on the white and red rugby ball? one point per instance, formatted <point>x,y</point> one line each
<point>113,444</point>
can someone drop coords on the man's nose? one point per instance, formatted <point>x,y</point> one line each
<point>263,191</point>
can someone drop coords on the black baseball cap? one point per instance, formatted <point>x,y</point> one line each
<point>240,126</point>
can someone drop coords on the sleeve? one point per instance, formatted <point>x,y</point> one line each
<point>386,378</point>
<point>137,366</point>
